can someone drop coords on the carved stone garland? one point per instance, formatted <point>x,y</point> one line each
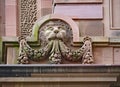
<point>54,32</point>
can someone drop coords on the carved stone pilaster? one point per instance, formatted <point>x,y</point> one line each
<point>27,16</point>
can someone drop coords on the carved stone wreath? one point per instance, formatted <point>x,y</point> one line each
<point>55,37</point>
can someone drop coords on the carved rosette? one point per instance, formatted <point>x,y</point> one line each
<point>55,37</point>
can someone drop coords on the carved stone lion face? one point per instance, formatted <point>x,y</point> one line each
<point>55,32</point>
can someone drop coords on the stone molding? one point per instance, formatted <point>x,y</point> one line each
<point>27,70</point>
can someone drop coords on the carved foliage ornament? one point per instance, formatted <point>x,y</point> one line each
<point>54,36</point>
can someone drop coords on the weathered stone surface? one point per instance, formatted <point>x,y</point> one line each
<point>46,7</point>
<point>12,54</point>
<point>10,16</point>
<point>27,16</point>
<point>114,40</point>
<point>45,11</point>
<point>91,28</point>
<point>78,1</point>
<point>116,55</point>
<point>57,84</point>
<point>97,39</point>
<point>27,70</point>
<point>2,18</point>
<point>115,22</point>
<point>0,50</point>
<point>77,12</point>
<point>103,55</point>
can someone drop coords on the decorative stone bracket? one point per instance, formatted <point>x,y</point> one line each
<point>55,33</point>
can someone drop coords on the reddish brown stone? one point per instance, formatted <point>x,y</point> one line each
<point>103,55</point>
<point>10,18</point>
<point>82,11</point>
<point>78,1</point>
<point>91,28</point>
<point>116,55</point>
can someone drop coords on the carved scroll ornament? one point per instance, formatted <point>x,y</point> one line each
<point>53,35</point>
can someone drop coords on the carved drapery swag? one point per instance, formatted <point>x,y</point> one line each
<point>55,37</point>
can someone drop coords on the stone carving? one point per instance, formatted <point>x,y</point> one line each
<point>27,15</point>
<point>53,36</point>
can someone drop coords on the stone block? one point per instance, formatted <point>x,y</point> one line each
<point>12,54</point>
<point>103,55</point>
<point>116,55</point>
<point>78,1</point>
<point>80,11</point>
<point>114,40</point>
<point>97,53</point>
<point>46,11</point>
<point>10,2</point>
<point>100,39</point>
<point>0,49</point>
<point>108,55</point>
<point>10,30</point>
<point>44,7</point>
<point>46,3</point>
<point>91,28</point>
<point>96,41</point>
<point>10,17</point>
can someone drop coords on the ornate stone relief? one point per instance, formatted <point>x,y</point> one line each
<point>55,37</point>
<point>27,15</point>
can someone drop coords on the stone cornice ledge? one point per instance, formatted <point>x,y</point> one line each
<point>16,70</point>
<point>97,40</point>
